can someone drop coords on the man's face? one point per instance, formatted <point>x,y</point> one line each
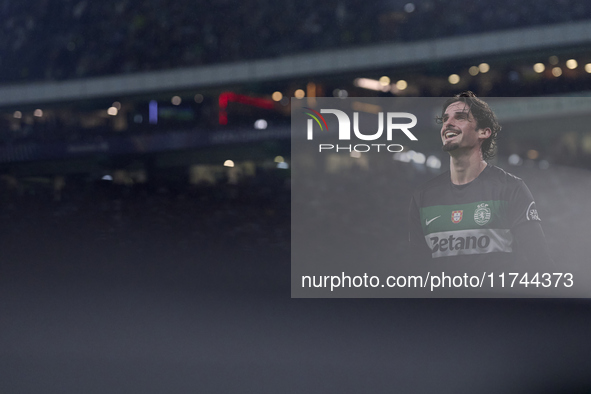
<point>459,131</point>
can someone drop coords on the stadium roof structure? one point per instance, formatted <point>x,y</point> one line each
<point>310,64</point>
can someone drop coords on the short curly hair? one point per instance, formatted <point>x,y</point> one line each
<point>485,118</point>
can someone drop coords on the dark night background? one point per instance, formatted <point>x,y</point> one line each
<point>161,282</point>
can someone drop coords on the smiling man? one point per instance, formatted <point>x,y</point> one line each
<point>476,212</point>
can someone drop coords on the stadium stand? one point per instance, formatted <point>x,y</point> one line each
<point>56,40</point>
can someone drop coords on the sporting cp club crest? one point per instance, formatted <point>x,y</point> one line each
<point>456,216</point>
<point>482,214</point>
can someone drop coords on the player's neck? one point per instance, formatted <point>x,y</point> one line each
<point>465,168</point>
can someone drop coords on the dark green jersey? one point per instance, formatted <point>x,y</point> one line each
<point>472,222</point>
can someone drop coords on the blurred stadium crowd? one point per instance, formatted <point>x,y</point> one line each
<point>157,233</point>
<point>56,40</point>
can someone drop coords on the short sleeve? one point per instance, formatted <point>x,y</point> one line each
<point>522,206</point>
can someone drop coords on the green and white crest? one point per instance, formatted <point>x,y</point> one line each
<point>482,214</point>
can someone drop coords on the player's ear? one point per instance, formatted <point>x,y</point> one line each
<point>485,132</point>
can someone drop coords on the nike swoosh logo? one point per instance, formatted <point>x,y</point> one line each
<point>429,221</point>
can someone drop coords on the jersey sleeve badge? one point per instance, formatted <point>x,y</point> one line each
<point>532,212</point>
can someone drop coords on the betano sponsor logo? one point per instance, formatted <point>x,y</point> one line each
<point>344,130</point>
<point>452,243</point>
<point>459,243</point>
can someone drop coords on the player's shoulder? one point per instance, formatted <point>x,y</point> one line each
<point>497,174</point>
<point>440,180</point>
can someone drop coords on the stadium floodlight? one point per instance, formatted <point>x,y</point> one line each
<point>371,84</point>
<point>419,158</point>
<point>453,79</point>
<point>340,93</point>
<point>402,156</point>
<point>433,162</point>
<point>571,64</point>
<point>260,124</point>
<point>515,160</point>
<point>539,67</point>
